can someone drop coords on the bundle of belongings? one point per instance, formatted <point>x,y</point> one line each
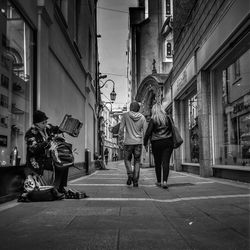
<point>36,190</point>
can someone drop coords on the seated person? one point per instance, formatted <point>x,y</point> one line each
<point>38,139</point>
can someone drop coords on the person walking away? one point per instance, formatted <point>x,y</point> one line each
<point>130,137</point>
<point>106,155</point>
<point>38,140</point>
<point>160,133</point>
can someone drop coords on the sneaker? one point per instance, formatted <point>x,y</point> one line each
<point>135,184</point>
<point>129,181</point>
<point>158,184</point>
<point>164,185</point>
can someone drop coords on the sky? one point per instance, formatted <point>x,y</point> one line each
<point>112,25</point>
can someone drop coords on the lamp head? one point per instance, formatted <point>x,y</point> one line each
<point>113,95</point>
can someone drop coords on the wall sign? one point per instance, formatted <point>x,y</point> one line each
<point>242,106</point>
<point>184,77</point>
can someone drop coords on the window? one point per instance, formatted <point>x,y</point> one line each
<point>232,113</point>
<point>146,9</point>
<point>236,69</point>
<point>168,7</point>
<point>76,20</point>
<point>63,6</point>
<point>16,70</point>
<point>90,52</point>
<point>193,129</point>
<point>169,49</point>
<point>191,139</point>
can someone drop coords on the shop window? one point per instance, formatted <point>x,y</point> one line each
<point>16,53</point>
<point>232,113</point>
<point>192,131</point>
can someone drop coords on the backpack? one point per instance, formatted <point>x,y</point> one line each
<point>62,154</point>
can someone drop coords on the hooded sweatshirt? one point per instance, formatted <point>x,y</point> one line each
<point>135,127</point>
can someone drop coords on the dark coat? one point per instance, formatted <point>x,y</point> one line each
<point>106,153</point>
<point>38,157</point>
<point>157,131</point>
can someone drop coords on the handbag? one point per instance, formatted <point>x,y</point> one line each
<point>177,139</point>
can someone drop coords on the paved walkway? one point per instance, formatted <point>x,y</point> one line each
<point>194,213</point>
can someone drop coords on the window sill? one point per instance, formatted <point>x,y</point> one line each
<point>232,167</point>
<point>191,164</point>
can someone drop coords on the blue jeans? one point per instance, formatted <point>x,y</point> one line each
<point>129,151</point>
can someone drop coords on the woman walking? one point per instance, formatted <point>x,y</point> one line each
<point>160,133</point>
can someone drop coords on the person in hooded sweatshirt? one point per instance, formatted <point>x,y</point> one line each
<point>130,137</point>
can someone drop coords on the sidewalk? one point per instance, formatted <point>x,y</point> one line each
<point>194,213</point>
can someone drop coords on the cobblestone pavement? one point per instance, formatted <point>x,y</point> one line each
<point>194,213</point>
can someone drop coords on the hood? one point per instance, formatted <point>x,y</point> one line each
<point>135,116</point>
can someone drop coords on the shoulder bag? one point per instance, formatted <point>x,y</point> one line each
<point>177,139</point>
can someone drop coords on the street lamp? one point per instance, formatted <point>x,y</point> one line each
<point>112,94</point>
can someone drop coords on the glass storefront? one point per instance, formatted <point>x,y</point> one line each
<point>16,62</point>
<point>191,126</point>
<point>232,112</point>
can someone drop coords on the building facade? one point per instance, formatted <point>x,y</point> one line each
<point>150,54</point>
<point>108,120</point>
<point>48,54</point>
<point>209,87</point>
<point>150,44</point>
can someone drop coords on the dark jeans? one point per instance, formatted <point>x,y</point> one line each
<point>129,151</point>
<point>106,159</point>
<point>61,177</point>
<point>162,150</point>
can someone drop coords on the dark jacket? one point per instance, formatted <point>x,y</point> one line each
<point>38,157</point>
<point>157,131</point>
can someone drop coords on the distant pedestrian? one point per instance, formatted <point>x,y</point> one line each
<point>134,124</point>
<point>106,155</point>
<point>116,157</point>
<point>160,133</point>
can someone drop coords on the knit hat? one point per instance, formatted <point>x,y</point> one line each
<point>134,106</point>
<point>39,116</point>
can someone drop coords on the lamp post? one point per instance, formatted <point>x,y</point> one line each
<point>112,94</point>
<point>112,99</point>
